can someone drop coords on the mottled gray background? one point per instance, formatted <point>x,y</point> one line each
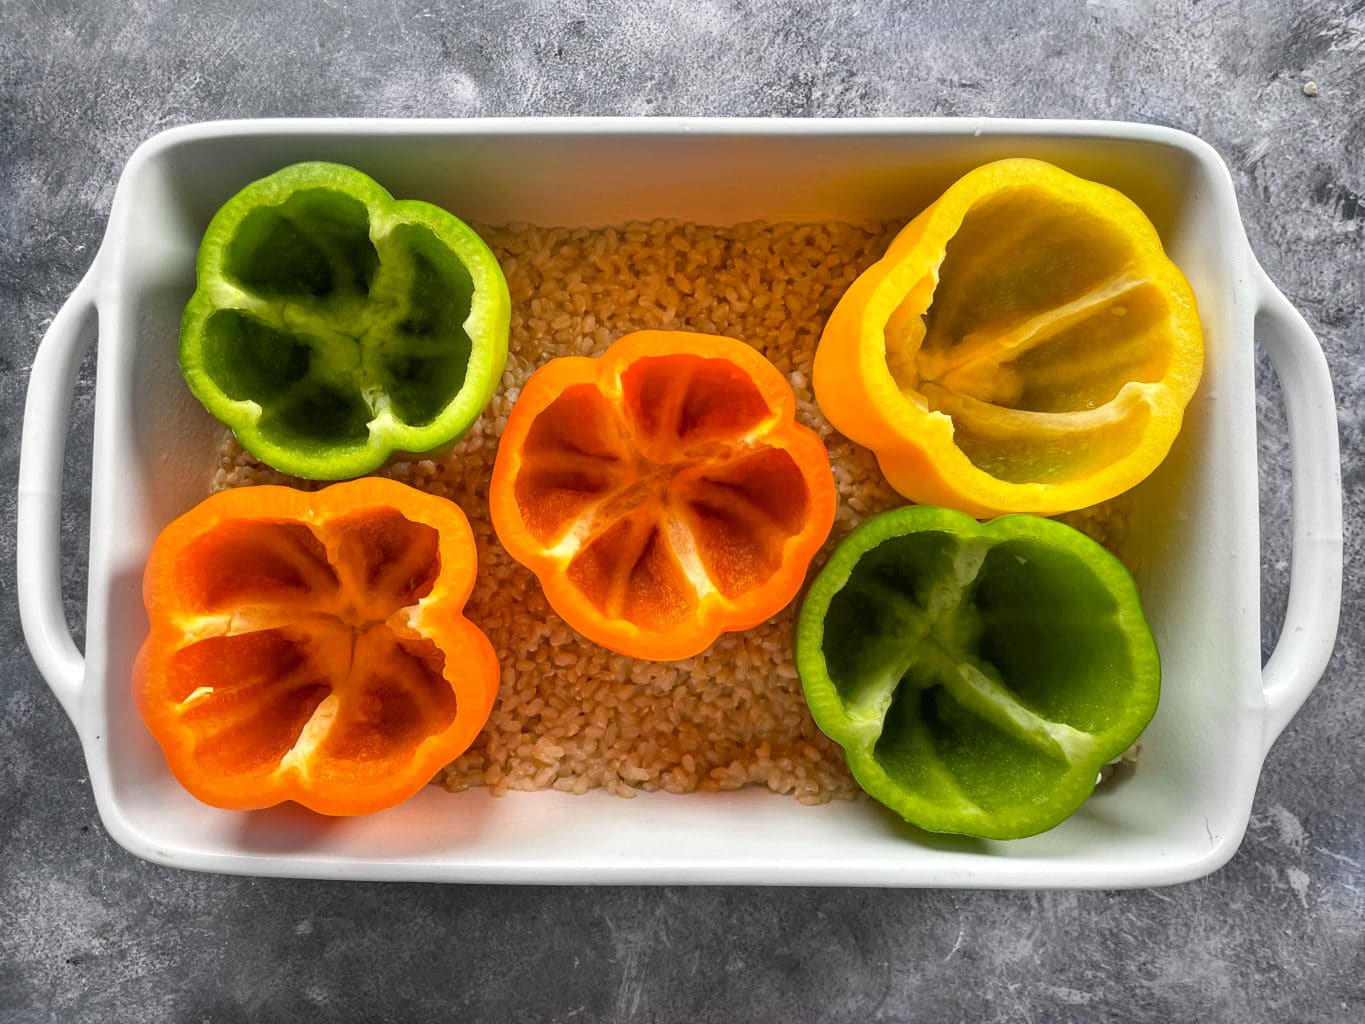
<point>87,933</point>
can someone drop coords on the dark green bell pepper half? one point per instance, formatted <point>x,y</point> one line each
<point>977,675</point>
<point>334,327</point>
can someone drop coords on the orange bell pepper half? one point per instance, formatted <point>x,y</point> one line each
<point>313,647</point>
<point>663,493</point>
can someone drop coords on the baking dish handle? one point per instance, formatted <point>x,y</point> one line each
<point>1310,622</point>
<point>46,417</point>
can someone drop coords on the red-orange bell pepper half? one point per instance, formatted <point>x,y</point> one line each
<point>663,494</point>
<point>313,647</point>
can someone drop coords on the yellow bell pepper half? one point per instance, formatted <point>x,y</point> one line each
<point>1025,345</point>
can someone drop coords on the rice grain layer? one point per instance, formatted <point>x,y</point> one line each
<point>571,715</point>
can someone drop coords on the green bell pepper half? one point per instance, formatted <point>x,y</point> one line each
<point>334,327</point>
<point>977,675</point>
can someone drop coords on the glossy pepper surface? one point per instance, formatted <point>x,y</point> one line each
<point>334,326</point>
<point>313,646</point>
<point>1025,345</point>
<point>978,676</point>
<point>663,493</point>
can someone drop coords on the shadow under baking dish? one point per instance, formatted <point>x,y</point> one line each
<point>1193,535</point>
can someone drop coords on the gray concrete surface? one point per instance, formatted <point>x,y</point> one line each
<point>88,933</point>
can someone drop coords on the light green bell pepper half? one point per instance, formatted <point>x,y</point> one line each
<point>334,327</point>
<point>977,675</point>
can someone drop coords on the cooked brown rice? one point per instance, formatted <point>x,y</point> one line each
<point>571,715</point>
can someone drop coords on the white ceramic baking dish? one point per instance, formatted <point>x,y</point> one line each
<point>1194,532</point>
